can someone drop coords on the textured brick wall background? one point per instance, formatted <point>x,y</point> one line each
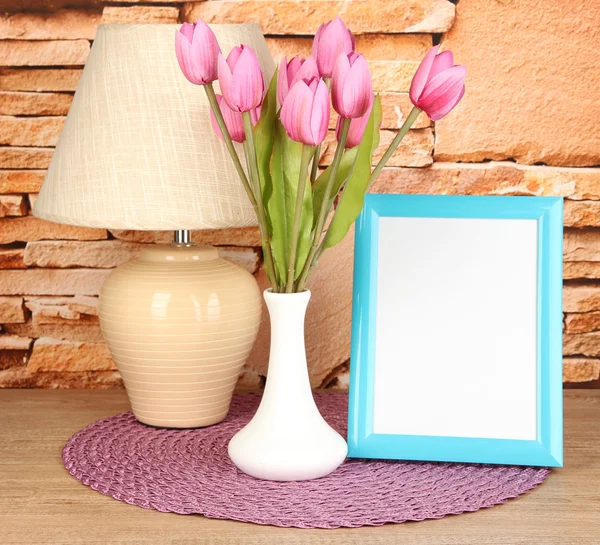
<point>528,125</point>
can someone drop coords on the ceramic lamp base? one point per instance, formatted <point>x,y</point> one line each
<point>180,322</point>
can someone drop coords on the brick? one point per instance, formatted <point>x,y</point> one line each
<point>581,298</point>
<point>249,380</point>
<point>30,131</point>
<point>60,25</point>
<point>94,254</point>
<point>52,281</point>
<point>112,253</point>
<point>12,310</point>
<point>416,149</point>
<point>19,157</point>
<point>240,236</point>
<point>305,16</point>
<point>392,75</point>
<point>492,179</point>
<point>14,342</point>
<point>581,245</point>
<point>524,123</point>
<point>20,377</point>
<point>41,79</point>
<point>582,214</point>
<point>247,258</point>
<point>582,344</point>
<point>21,181</point>
<point>59,355</point>
<point>58,310</point>
<point>29,228</point>
<point>12,205</point>
<point>575,270</point>
<point>12,258</point>
<point>75,332</point>
<point>32,198</point>
<point>27,103</point>
<point>51,53</point>
<point>583,322</point>
<point>580,369</point>
<point>379,47</point>
<point>140,15</point>
<point>11,358</point>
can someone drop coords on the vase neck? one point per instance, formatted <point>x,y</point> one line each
<point>288,370</point>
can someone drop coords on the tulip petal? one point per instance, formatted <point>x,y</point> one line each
<point>436,116</point>
<point>358,89</point>
<point>283,87</point>
<point>296,111</point>
<point>233,56</point>
<point>442,62</point>
<point>247,83</point>
<point>307,71</point>
<point>319,120</point>
<point>422,74</point>
<point>441,93</point>
<point>357,127</point>
<point>187,29</point>
<point>225,79</point>
<point>338,81</point>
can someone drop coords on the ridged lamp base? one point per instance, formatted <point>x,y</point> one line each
<point>180,322</point>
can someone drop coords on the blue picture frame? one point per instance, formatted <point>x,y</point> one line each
<point>547,449</point>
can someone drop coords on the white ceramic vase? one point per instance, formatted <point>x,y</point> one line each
<point>287,439</point>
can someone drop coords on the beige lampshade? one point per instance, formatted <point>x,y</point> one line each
<point>137,150</point>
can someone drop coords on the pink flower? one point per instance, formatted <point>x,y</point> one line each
<point>197,51</point>
<point>438,85</point>
<point>293,71</point>
<point>331,39</point>
<point>233,121</point>
<point>305,111</point>
<point>351,88</point>
<point>357,127</point>
<point>241,79</point>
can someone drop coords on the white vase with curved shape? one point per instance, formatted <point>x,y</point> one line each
<point>287,439</point>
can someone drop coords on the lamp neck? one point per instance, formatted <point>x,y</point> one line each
<point>182,237</point>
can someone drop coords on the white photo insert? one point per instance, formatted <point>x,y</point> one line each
<point>455,346</point>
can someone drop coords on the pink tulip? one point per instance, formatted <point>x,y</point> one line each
<point>438,85</point>
<point>351,88</point>
<point>331,39</point>
<point>357,127</point>
<point>197,51</point>
<point>241,79</point>
<point>233,121</point>
<point>293,71</point>
<point>305,111</point>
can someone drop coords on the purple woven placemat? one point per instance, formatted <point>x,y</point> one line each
<point>189,471</point>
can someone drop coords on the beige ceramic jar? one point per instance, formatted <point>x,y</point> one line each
<point>180,322</point>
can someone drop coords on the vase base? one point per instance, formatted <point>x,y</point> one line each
<point>278,458</point>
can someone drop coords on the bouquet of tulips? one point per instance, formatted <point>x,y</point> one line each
<point>282,128</point>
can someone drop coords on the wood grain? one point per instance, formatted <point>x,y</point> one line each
<point>41,504</point>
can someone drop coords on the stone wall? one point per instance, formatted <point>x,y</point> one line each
<point>527,126</point>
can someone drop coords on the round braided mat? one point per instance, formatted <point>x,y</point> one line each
<point>189,471</point>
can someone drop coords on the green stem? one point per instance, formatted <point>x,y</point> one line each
<point>212,100</point>
<point>307,153</point>
<point>260,210</point>
<point>339,151</point>
<point>412,116</point>
<point>315,165</point>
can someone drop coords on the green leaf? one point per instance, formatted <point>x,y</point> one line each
<point>285,172</point>
<point>263,138</point>
<point>322,181</point>
<point>353,196</point>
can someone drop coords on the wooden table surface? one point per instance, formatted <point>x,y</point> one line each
<point>40,503</point>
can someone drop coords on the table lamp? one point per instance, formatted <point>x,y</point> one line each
<point>137,152</point>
